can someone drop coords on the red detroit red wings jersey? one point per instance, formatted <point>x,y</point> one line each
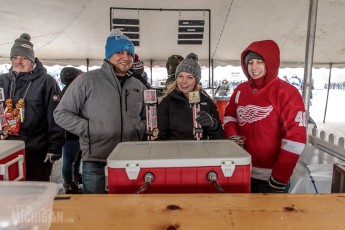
<point>274,124</point>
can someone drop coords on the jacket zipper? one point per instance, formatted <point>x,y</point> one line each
<point>127,94</point>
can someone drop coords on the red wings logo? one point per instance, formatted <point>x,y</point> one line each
<point>252,113</point>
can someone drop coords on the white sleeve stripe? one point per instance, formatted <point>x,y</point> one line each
<point>292,146</point>
<point>228,119</point>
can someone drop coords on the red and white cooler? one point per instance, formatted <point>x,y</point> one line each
<point>179,167</point>
<point>12,160</point>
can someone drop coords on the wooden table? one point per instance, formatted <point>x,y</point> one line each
<point>200,211</point>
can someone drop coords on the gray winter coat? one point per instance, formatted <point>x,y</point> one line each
<point>102,113</point>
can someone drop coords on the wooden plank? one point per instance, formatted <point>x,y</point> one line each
<point>200,211</point>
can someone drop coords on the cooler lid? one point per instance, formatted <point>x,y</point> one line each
<point>156,154</point>
<point>7,148</point>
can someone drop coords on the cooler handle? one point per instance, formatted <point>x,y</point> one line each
<point>4,168</point>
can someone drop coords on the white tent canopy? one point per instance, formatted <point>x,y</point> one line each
<point>74,32</point>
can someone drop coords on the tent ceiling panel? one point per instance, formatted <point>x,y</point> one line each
<point>76,30</point>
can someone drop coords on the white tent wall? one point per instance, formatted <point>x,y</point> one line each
<point>70,32</point>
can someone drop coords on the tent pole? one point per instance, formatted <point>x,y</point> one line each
<point>210,77</point>
<point>328,87</point>
<point>87,64</point>
<point>151,71</point>
<point>309,54</point>
<point>212,82</point>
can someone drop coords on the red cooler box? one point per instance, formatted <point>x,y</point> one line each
<point>12,160</point>
<point>179,167</point>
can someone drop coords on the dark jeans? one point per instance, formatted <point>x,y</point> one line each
<point>262,186</point>
<point>94,177</point>
<point>70,162</point>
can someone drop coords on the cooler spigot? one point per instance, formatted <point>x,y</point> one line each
<point>212,177</point>
<point>148,179</point>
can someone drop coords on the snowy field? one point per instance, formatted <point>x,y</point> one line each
<point>335,115</point>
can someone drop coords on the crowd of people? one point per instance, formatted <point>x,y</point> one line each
<point>101,108</point>
<point>335,85</point>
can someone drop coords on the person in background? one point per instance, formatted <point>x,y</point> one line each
<point>223,88</point>
<point>139,73</point>
<point>71,154</point>
<point>31,95</point>
<point>296,81</point>
<point>171,64</point>
<point>285,78</point>
<point>175,118</point>
<point>270,114</point>
<point>104,107</point>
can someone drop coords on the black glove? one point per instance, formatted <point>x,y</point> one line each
<point>206,120</point>
<point>276,186</point>
<point>52,157</point>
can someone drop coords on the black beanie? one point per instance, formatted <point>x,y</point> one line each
<point>68,74</point>
<point>252,55</point>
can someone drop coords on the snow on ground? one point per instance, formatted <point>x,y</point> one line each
<point>335,115</point>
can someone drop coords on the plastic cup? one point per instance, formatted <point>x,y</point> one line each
<point>238,139</point>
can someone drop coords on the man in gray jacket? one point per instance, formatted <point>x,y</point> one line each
<point>104,107</point>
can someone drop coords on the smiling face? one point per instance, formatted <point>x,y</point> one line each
<point>185,82</point>
<point>21,64</point>
<point>122,61</point>
<point>256,68</point>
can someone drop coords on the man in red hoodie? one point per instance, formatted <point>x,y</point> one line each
<point>270,114</point>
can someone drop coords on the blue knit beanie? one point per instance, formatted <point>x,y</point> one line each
<point>117,42</point>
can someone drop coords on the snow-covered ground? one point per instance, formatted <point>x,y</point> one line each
<point>335,114</point>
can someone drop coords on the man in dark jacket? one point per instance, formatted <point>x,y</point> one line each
<point>31,95</point>
<point>139,73</point>
<point>172,62</point>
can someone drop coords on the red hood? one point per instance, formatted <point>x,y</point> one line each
<point>269,51</point>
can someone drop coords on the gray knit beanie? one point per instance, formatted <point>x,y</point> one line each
<point>23,47</point>
<point>252,55</point>
<point>190,65</point>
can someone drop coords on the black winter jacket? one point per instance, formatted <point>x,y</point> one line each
<point>39,130</point>
<point>175,118</point>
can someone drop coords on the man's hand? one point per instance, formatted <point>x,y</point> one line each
<point>52,157</point>
<point>4,132</point>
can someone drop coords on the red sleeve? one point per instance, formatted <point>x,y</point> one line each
<point>230,118</point>
<point>294,136</point>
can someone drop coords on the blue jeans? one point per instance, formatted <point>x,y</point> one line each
<point>70,165</point>
<point>93,177</point>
